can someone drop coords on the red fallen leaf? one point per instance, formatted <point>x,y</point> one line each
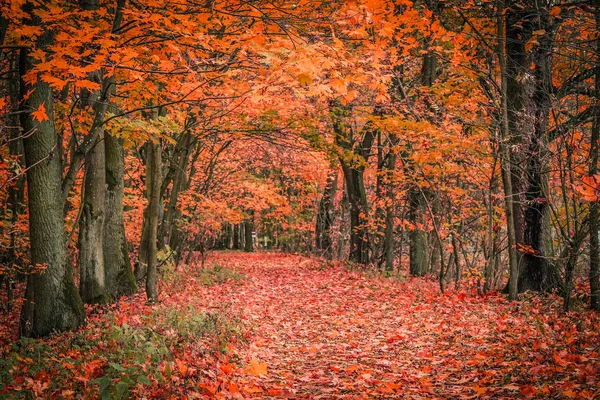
<point>395,338</point>
<point>528,390</point>
<point>558,360</point>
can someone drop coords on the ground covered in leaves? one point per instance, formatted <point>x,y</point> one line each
<point>276,326</point>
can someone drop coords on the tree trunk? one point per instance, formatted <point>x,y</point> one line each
<point>178,169</point>
<point>120,280</point>
<point>418,238</point>
<point>388,234</point>
<point>153,184</point>
<point>325,217</point>
<point>594,274</point>
<point>528,105</point>
<point>354,156</point>
<point>511,209</point>
<point>236,236</point>
<point>357,199</point>
<point>91,229</point>
<point>92,282</point>
<point>52,302</point>
<point>248,242</point>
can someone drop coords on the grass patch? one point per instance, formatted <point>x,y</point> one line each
<point>116,361</point>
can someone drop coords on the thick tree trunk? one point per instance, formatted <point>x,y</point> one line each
<point>357,199</point>
<point>120,280</point>
<point>92,282</point>
<point>236,236</point>
<point>52,302</point>
<point>92,285</point>
<point>528,95</point>
<point>248,242</point>
<point>153,183</point>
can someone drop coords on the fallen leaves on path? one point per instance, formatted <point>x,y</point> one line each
<point>294,327</point>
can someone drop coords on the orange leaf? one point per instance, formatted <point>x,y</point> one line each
<point>40,114</point>
<point>257,368</point>
<point>55,82</point>
<point>528,390</point>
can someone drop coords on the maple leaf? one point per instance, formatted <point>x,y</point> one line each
<point>40,114</point>
<point>54,82</point>
<point>304,78</point>
<point>257,368</point>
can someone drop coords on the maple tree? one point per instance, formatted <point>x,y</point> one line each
<point>454,140</point>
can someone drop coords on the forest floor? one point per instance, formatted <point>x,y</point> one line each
<point>269,325</point>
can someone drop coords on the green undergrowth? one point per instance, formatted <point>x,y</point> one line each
<point>219,275</point>
<point>120,355</point>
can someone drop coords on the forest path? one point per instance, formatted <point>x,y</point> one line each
<point>325,332</point>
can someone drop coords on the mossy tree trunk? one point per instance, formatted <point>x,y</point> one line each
<point>120,280</point>
<point>52,302</point>
<point>92,283</point>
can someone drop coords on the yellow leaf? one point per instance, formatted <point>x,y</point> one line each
<point>304,79</point>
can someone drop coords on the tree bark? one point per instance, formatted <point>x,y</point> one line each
<point>153,183</point>
<point>594,273</point>
<point>177,175</point>
<point>92,283</point>
<point>510,207</point>
<point>236,236</point>
<point>248,242</point>
<point>52,302</point>
<point>120,280</point>
<point>325,217</point>
<point>353,160</point>
<point>388,238</point>
<point>528,105</point>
